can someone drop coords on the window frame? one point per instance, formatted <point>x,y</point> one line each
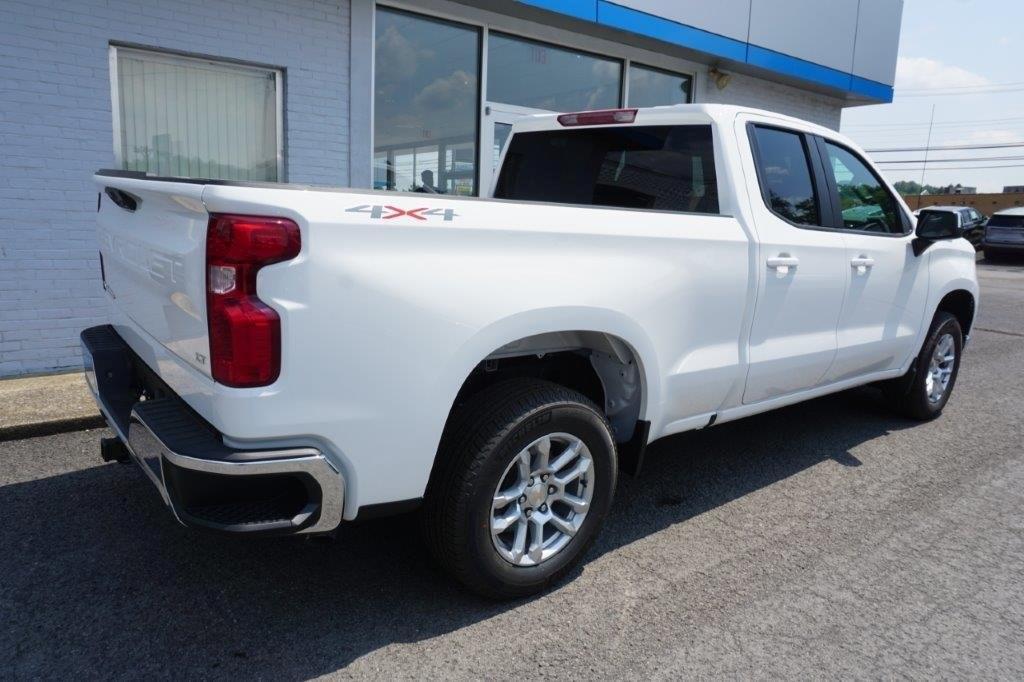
<point>836,215</point>
<point>818,176</point>
<point>629,70</point>
<point>175,57</point>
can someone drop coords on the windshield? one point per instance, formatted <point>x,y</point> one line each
<point>668,168</point>
<point>1006,221</point>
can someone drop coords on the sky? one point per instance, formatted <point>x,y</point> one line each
<point>965,57</point>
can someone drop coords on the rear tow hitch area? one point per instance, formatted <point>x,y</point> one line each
<point>113,450</point>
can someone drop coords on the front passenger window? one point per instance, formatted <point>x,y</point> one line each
<point>865,202</point>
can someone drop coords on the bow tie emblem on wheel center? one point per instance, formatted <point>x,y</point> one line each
<point>537,495</point>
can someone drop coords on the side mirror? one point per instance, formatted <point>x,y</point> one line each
<point>932,228</point>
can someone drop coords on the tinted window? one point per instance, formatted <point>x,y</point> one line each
<point>1006,221</point>
<point>669,168</point>
<point>865,202</point>
<point>785,175</point>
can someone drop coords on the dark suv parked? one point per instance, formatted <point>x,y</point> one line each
<point>970,222</point>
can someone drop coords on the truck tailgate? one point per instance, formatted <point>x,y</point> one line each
<point>152,237</point>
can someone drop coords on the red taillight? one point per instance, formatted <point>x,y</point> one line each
<point>596,118</point>
<point>245,333</point>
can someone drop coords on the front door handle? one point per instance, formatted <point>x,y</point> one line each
<point>782,263</point>
<point>862,263</point>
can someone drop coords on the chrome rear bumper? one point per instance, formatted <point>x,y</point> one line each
<point>204,482</point>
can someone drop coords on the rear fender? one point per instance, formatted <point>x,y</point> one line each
<point>502,335</point>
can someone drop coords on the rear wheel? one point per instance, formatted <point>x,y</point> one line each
<point>925,391</point>
<point>529,470</point>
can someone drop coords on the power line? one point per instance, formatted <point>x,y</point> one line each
<point>911,137</point>
<point>959,94</point>
<point>947,168</point>
<point>956,160</point>
<point>999,145</point>
<point>966,87</point>
<point>959,129</point>
<point>987,89</point>
<point>952,122</point>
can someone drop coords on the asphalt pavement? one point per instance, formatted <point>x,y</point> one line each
<point>822,540</point>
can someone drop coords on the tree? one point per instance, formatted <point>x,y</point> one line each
<point>911,188</point>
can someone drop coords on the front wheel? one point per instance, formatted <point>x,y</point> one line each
<point>528,470</point>
<point>925,391</point>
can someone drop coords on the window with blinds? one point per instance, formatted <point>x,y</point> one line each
<point>179,116</point>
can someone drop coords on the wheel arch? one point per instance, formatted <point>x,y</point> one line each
<point>962,305</point>
<point>564,339</point>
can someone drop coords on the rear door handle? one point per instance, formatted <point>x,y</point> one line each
<point>782,263</point>
<point>862,263</point>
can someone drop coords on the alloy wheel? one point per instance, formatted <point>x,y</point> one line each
<point>542,499</point>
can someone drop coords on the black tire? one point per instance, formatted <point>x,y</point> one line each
<point>909,394</point>
<point>992,255</point>
<point>482,439</point>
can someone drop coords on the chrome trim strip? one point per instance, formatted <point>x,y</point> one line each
<point>142,441</point>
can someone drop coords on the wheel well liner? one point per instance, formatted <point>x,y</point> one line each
<point>960,304</point>
<point>601,366</point>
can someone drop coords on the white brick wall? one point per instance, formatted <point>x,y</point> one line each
<point>55,130</point>
<point>764,94</point>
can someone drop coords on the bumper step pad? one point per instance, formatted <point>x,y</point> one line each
<point>205,482</point>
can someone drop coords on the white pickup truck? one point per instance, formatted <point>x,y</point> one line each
<point>282,359</point>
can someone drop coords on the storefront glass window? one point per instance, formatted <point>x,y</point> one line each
<point>426,102</point>
<point>654,88</point>
<point>531,74</point>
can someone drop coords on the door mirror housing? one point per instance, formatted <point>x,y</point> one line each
<point>933,226</point>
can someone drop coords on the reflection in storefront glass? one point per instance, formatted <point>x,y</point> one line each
<point>501,133</point>
<point>425,104</point>
<point>542,76</point>
<point>654,88</point>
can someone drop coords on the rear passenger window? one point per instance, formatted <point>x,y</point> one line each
<point>784,171</point>
<point>865,202</point>
<point>667,168</point>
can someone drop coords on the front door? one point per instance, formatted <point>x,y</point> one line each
<point>888,290</point>
<point>801,266</point>
<point>495,130</point>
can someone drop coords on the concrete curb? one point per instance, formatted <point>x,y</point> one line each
<point>46,404</point>
<point>51,427</point>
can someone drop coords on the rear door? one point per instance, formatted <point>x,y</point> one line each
<point>888,285</point>
<point>152,238</point>
<point>802,265</point>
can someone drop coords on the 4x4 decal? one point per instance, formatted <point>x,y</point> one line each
<point>386,212</point>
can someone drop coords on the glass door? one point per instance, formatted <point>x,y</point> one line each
<point>495,130</point>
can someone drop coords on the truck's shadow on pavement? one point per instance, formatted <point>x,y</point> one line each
<point>98,580</point>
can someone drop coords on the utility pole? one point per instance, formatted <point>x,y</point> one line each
<point>927,146</point>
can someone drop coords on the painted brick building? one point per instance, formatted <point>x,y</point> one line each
<point>355,92</point>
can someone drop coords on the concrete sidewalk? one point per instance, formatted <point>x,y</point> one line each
<point>43,405</point>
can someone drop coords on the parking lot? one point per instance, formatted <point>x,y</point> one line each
<point>825,539</point>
